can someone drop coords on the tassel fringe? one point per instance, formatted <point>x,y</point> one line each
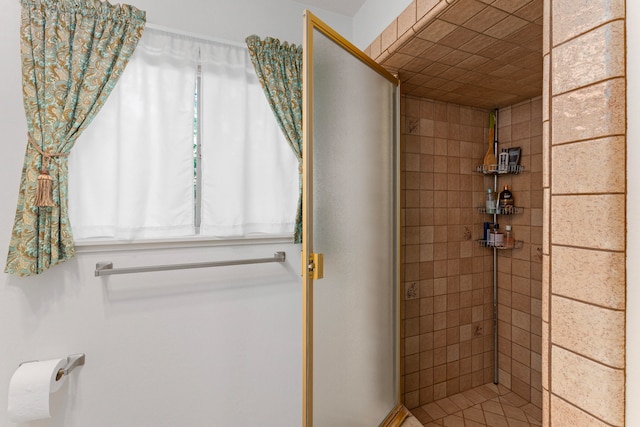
<point>44,192</point>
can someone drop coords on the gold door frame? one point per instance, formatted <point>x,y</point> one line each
<point>311,23</point>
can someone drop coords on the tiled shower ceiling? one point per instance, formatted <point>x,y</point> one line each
<point>486,54</point>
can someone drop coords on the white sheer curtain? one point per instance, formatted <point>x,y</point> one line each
<point>132,178</point>
<point>249,173</point>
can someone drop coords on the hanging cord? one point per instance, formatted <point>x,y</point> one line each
<point>44,191</point>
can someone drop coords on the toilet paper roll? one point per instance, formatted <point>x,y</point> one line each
<point>30,387</point>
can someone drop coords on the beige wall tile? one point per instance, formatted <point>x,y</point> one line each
<point>504,378</point>
<point>519,132</point>
<point>536,113</point>
<point>407,19</point>
<point>575,17</point>
<point>522,373</point>
<point>546,354</point>
<point>462,288</point>
<point>588,385</point>
<point>424,6</point>
<point>509,5</point>
<point>546,79</point>
<point>402,40</point>
<point>595,332</point>
<point>565,414</point>
<point>415,47</point>
<point>521,355</point>
<point>389,35</point>
<point>507,26</point>
<point>546,284</point>
<point>399,60</point>
<point>546,221</point>
<point>376,47</point>
<point>486,19</point>
<point>591,112</point>
<point>460,15</point>
<point>536,218</point>
<point>546,408</point>
<point>521,320</point>
<point>594,56</point>
<point>589,221</point>
<point>435,241</point>
<point>546,154</point>
<point>531,11</point>
<point>595,166</point>
<point>596,277</point>
<point>436,31</point>
<point>546,27</point>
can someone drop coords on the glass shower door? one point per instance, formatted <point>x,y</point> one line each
<point>351,354</point>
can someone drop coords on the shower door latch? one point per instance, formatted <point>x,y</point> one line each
<point>316,266</point>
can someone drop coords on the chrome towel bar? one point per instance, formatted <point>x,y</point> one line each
<point>106,268</point>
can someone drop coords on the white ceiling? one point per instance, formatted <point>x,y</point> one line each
<point>343,7</point>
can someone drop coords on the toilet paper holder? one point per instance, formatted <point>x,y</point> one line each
<point>73,361</point>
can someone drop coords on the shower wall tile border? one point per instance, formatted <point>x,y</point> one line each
<point>589,167</point>
<point>565,414</point>
<point>585,275</point>
<point>577,221</point>
<point>602,284</point>
<point>572,18</point>
<point>589,330</point>
<point>594,387</point>
<point>593,111</point>
<point>596,55</point>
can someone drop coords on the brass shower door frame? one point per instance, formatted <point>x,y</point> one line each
<point>310,267</point>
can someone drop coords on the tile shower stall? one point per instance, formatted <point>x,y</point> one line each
<point>562,296</point>
<point>448,276</point>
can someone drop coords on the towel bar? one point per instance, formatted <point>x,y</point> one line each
<point>106,268</point>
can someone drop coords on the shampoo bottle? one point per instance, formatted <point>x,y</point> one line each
<point>503,161</point>
<point>491,201</point>
<point>505,201</point>
<point>509,240</point>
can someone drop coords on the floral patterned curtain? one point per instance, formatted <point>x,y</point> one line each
<point>73,52</point>
<point>279,69</point>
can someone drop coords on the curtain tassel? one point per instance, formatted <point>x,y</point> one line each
<point>44,191</point>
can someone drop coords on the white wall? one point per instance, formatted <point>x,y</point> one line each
<point>237,19</point>
<point>210,347</point>
<point>633,216</point>
<point>373,17</point>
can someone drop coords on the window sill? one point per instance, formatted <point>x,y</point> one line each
<point>97,246</point>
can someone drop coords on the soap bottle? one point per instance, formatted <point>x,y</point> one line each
<point>491,201</point>
<point>505,201</point>
<point>503,161</point>
<point>509,240</point>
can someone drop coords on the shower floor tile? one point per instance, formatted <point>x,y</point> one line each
<point>489,405</point>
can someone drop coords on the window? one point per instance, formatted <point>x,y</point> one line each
<point>186,145</point>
